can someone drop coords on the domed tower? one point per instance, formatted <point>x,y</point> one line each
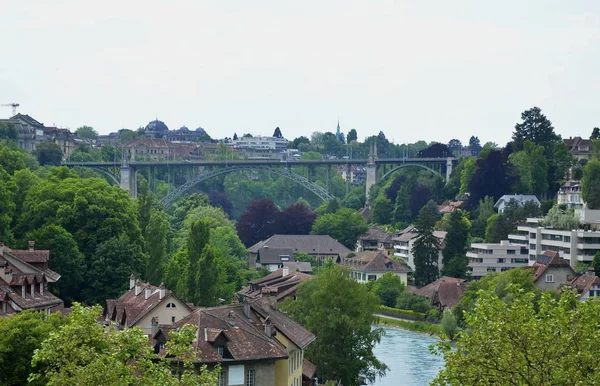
<point>156,129</point>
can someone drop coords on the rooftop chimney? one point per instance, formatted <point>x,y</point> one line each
<point>8,275</point>
<point>147,293</point>
<point>286,271</point>
<point>1,248</point>
<point>138,289</point>
<point>161,291</point>
<point>591,271</point>
<point>131,281</point>
<point>268,327</point>
<point>246,308</point>
<point>154,326</point>
<point>31,245</point>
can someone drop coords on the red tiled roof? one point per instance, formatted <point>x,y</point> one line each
<point>308,369</point>
<point>282,286</point>
<point>546,260</point>
<point>445,291</point>
<point>583,283</point>
<point>35,256</point>
<point>374,261</point>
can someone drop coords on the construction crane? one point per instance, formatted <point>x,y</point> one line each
<point>14,107</point>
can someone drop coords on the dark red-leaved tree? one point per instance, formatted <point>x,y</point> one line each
<point>296,219</point>
<point>420,196</point>
<point>257,222</point>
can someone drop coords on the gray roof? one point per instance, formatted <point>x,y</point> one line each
<point>268,255</point>
<point>311,244</point>
<point>301,266</point>
<point>374,261</point>
<point>520,198</point>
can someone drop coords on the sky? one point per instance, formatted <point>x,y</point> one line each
<point>430,70</point>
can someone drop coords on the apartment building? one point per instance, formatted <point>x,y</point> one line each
<point>570,194</point>
<point>485,258</point>
<point>404,241</point>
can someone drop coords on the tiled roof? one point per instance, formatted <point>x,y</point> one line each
<point>311,244</point>
<point>281,286</point>
<point>445,291</point>
<point>520,198</point>
<point>292,330</point>
<point>582,284</point>
<point>308,369</point>
<point>268,255</point>
<point>132,307</point>
<point>374,261</point>
<point>35,256</point>
<point>302,266</point>
<point>376,234</point>
<point>546,260</point>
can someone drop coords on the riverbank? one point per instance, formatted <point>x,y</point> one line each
<point>412,325</point>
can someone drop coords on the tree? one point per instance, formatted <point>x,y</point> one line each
<point>382,210</point>
<point>12,158</point>
<point>84,352</point>
<point>65,258</point>
<point>277,133</point>
<point>536,128</point>
<point>531,169</point>
<point>296,219</point>
<point>455,146</point>
<point>48,153</point>
<point>484,210</point>
<point>300,140</point>
<point>20,335</point>
<point>420,196</point>
<point>352,136</point>
<point>449,324</point>
<point>491,178</point>
<point>596,262</point>
<point>8,131</point>
<point>339,311</point>
<point>559,218</point>
<point>235,137</point>
<point>590,184</point>
<point>388,288</point>
<point>426,247</point>
<point>146,203</point>
<point>474,145</point>
<point>196,243</point>
<point>437,150</point>
<point>86,132</point>
<point>257,222</point>
<point>220,199</point>
<point>156,246</point>
<point>110,267</point>
<point>8,189</point>
<point>497,229</point>
<point>595,133</point>
<point>506,340</point>
<point>345,225</point>
<point>455,252</point>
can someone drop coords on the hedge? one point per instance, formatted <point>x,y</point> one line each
<point>402,314</point>
<point>421,327</point>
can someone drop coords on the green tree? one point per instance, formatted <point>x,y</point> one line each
<point>339,311</point>
<point>455,252</point>
<point>208,278</point>
<point>505,342</point>
<point>536,128</point>
<point>20,335</point>
<point>65,258</point>
<point>596,263</point>
<point>352,136</point>
<point>12,158</point>
<point>531,169</point>
<point>8,189</point>
<point>498,228</point>
<point>156,245</point>
<point>86,132</point>
<point>426,247</point>
<point>590,184</point>
<point>48,153</point>
<point>466,175</point>
<point>83,352</point>
<point>595,133</point>
<point>485,210</point>
<point>345,225</point>
<point>449,324</point>
<point>388,288</point>
<point>561,218</point>
<point>382,210</point>
<point>196,242</point>
<point>146,204</point>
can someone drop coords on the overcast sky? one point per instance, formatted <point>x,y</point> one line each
<point>431,70</point>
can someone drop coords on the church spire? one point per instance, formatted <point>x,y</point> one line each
<point>338,133</point>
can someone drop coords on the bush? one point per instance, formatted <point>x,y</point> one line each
<point>403,314</point>
<point>449,325</point>
<point>417,303</point>
<point>434,315</point>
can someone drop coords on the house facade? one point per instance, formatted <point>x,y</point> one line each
<point>520,199</point>
<point>550,271</point>
<point>145,306</point>
<point>499,257</point>
<point>443,293</point>
<point>376,239</point>
<point>569,194</point>
<point>24,279</point>
<point>404,242</point>
<point>253,342</point>
<point>586,285</point>
<point>371,265</point>
<point>581,149</point>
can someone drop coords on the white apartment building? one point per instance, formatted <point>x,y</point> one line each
<point>403,244</point>
<point>570,195</point>
<point>485,258</point>
<point>573,245</point>
<point>265,143</point>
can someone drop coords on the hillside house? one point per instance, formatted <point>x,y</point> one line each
<point>371,265</point>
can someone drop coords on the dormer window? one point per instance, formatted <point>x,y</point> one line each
<point>220,350</point>
<point>171,306</point>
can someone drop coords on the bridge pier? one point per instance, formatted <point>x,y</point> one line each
<point>129,180</point>
<point>372,170</point>
<point>448,168</point>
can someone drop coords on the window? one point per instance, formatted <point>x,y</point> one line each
<point>511,252</point>
<point>372,277</point>
<point>549,278</point>
<point>172,319</point>
<point>501,260</point>
<point>519,261</point>
<point>171,305</point>
<point>491,269</point>
<point>250,378</point>
<point>222,378</point>
<point>220,350</point>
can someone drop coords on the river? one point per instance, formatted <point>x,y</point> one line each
<point>407,355</point>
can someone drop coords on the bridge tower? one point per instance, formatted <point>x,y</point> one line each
<point>448,168</point>
<point>371,169</point>
<point>128,179</point>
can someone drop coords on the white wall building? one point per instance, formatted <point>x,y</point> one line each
<point>485,258</point>
<point>271,143</point>
<point>403,245</point>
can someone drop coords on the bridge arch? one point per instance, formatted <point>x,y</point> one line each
<point>387,174</point>
<point>109,174</point>
<point>319,191</point>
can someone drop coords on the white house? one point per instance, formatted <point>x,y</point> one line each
<point>371,265</point>
<point>521,199</point>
